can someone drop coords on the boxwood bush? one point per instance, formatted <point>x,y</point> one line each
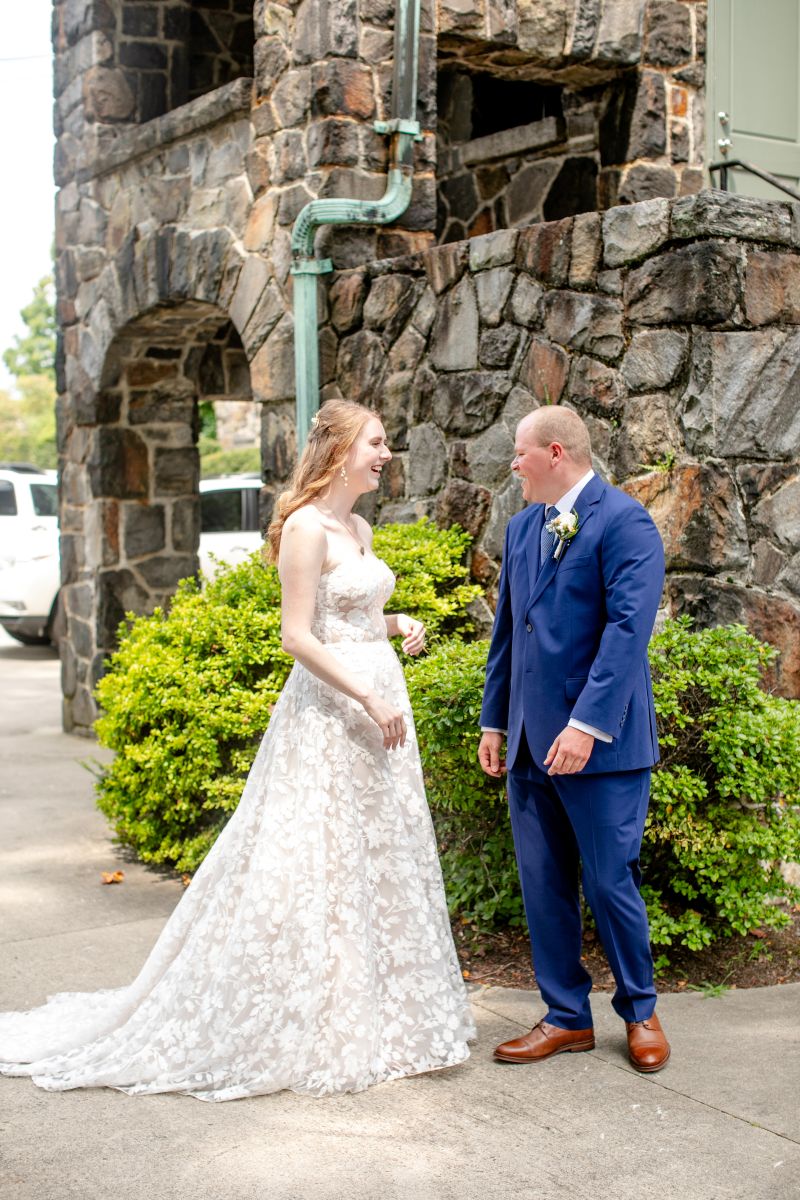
<point>188,694</point>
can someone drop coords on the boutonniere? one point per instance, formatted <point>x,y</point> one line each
<point>563,527</point>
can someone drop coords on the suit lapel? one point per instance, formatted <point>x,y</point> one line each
<point>533,544</point>
<point>584,506</point>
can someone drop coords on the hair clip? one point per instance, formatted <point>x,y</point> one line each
<point>315,421</point>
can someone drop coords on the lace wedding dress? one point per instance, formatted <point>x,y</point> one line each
<point>312,950</point>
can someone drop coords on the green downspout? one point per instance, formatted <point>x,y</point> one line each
<point>403,129</point>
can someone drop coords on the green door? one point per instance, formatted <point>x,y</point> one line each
<point>753,91</point>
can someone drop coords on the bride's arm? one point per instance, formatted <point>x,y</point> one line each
<point>302,556</point>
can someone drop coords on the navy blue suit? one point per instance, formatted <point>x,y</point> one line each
<point>570,641</point>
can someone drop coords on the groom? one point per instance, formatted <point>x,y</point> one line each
<point>568,684</point>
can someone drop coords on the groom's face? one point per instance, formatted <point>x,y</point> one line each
<point>533,466</point>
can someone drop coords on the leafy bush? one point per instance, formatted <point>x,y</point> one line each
<point>724,798</point>
<point>469,809</point>
<point>189,692</point>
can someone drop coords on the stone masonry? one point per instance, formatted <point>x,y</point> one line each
<point>185,153</point>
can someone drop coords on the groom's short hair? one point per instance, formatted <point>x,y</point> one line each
<point>554,423</point>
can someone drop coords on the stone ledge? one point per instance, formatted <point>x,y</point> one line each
<point>535,136</point>
<point>227,101</point>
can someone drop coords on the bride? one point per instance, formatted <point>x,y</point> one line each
<point>312,950</point>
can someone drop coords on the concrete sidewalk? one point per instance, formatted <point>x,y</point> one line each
<point>721,1121</point>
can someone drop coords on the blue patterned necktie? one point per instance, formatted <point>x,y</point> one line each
<point>547,540</point>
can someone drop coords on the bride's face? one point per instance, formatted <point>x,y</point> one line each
<point>368,455</point>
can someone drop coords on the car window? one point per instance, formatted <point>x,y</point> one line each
<point>221,512</point>
<point>8,499</point>
<point>45,499</point>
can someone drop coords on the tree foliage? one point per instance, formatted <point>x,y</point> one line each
<point>34,353</point>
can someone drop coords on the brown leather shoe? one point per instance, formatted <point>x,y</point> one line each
<point>543,1042</point>
<point>648,1048</point>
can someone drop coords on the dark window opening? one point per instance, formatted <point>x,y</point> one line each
<point>231,510</point>
<point>474,106</point>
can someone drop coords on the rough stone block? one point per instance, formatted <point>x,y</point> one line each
<point>427,460</point>
<point>698,514</point>
<point>643,182</point>
<point>165,571</point>
<point>492,249</point>
<point>493,287</point>
<point>619,37</point>
<point>724,214</point>
<point>454,340</point>
<point>524,307</point>
<point>546,371</point>
<point>144,529</point>
<point>117,593</point>
<point>772,287</point>
<point>646,433</point>
<point>177,472</point>
<point>107,95</point>
<point>118,464</point>
<point>463,504</point>
<point>465,403</point>
<point>498,347</point>
<point>489,456</point>
<point>342,87</point>
<point>346,299</point>
<point>185,525</point>
<point>389,304</point>
<point>698,283</point>
<point>594,387</point>
<point>654,358</point>
<point>444,265</point>
<point>505,504</point>
<point>742,397</point>
<point>271,60</point>
<point>669,33</point>
<point>543,251</point>
<point>272,369</point>
<point>407,351</point>
<point>632,232</point>
<point>779,515</point>
<point>333,142</point>
<point>395,406</point>
<point>585,322</point>
<point>360,366</point>
<point>711,602</point>
<point>586,250</point>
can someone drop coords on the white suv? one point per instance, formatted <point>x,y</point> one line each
<point>30,573</point>
<point>29,566</point>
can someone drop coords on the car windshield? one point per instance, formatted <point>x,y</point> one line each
<point>45,499</point>
<point>221,512</point>
<point>8,499</point>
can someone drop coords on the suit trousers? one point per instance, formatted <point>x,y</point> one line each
<point>569,828</point>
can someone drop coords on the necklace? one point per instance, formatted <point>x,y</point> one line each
<point>330,513</point>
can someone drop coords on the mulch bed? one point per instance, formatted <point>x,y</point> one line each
<point>759,959</point>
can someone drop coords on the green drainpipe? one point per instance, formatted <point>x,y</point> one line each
<point>403,129</point>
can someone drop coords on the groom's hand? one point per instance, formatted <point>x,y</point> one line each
<point>489,755</point>
<point>570,752</point>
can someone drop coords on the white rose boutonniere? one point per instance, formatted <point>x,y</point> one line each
<point>564,527</point>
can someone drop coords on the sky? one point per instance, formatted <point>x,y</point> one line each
<point>26,151</point>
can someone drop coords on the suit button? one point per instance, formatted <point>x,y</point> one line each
<point>529,628</point>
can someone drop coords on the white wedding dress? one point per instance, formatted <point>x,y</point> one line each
<point>312,950</point>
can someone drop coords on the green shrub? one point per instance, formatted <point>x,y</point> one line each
<point>469,809</point>
<point>188,694</point>
<point>725,797</point>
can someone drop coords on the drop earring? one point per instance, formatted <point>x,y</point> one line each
<point>343,474</point>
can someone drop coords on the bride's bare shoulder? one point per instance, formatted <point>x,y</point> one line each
<point>307,518</point>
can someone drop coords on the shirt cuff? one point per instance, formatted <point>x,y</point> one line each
<point>584,728</point>
<point>491,729</point>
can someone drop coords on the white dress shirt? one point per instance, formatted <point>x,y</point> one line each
<point>566,505</point>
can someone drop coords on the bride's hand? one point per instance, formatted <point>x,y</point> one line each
<point>412,633</point>
<point>390,719</point>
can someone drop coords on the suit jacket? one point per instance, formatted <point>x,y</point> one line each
<point>570,640</point>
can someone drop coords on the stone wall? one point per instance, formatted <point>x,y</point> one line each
<point>566,108</point>
<point>670,325</point>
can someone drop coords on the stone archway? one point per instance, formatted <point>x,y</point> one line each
<point>139,482</point>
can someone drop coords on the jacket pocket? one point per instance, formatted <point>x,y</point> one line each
<point>583,560</point>
<point>574,686</point>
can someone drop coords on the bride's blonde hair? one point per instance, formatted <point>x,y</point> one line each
<point>334,429</point>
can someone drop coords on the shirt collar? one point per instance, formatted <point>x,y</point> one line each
<point>567,501</point>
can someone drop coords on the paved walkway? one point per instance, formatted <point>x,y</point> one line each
<point>722,1122</point>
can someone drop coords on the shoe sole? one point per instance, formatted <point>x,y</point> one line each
<point>650,1070</point>
<point>577,1048</point>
